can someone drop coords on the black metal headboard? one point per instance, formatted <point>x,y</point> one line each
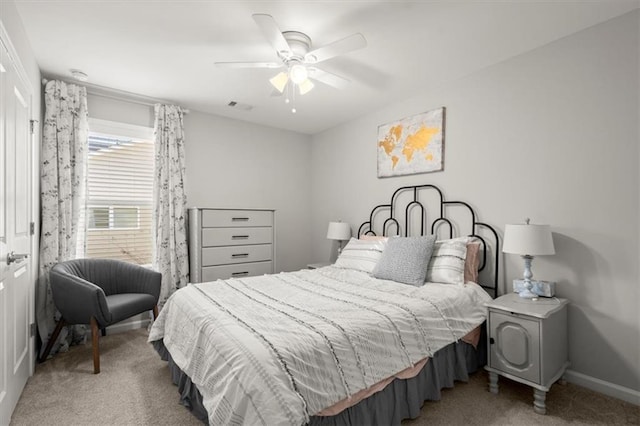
<point>414,199</point>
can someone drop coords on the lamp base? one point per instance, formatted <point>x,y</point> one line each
<point>527,294</point>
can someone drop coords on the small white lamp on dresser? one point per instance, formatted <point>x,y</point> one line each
<point>339,231</point>
<point>528,240</point>
<point>527,335</point>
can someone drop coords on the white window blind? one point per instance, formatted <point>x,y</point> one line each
<point>119,198</point>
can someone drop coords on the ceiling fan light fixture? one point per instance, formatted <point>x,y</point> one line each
<point>305,86</point>
<point>279,81</point>
<point>298,73</point>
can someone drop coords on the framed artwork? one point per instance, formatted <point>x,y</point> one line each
<point>412,145</point>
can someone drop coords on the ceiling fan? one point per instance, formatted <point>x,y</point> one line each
<point>295,53</point>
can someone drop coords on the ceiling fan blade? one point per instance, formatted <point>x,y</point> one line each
<point>248,64</point>
<point>272,33</point>
<point>340,47</point>
<point>328,78</point>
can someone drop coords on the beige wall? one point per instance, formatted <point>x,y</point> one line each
<point>551,135</point>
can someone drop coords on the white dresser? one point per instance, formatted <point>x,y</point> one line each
<point>230,243</point>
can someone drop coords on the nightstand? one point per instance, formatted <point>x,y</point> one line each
<point>527,343</point>
<point>318,265</point>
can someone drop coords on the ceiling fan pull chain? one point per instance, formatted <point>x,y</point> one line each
<point>293,98</point>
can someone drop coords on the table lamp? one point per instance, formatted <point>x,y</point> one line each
<point>339,231</point>
<point>528,240</point>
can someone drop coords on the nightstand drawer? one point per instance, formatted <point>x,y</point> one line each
<point>236,254</point>
<point>515,345</point>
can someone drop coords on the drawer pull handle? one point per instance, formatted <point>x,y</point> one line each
<point>239,237</point>
<point>492,340</point>
<point>240,255</point>
<point>237,274</point>
<point>239,219</point>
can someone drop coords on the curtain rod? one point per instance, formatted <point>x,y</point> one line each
<point>120,95</point>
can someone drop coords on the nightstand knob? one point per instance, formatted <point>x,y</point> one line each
<point>491,340</point>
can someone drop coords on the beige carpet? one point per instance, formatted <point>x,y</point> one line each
<point>134,388</point>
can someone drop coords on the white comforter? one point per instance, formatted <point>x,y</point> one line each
<point>277,349</point>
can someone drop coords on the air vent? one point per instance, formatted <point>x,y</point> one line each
<point>237,105</point>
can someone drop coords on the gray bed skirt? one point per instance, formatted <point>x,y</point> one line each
<point>401,399</point>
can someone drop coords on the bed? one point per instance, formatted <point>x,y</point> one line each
<point>343,344</point>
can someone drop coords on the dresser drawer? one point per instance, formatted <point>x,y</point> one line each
<point>214,237</point>
<point>236,254</point>
<point>236,218</point>
<point>212,273</point>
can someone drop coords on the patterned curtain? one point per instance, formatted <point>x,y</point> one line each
<point>170,202</point>
<point>63,166</point>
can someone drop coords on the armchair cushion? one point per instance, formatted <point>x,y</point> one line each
<point>125,305</point>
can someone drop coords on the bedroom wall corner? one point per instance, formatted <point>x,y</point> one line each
<point>551,134</point>
<point>236,164</point>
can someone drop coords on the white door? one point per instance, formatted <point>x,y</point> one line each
<point>16,292</point>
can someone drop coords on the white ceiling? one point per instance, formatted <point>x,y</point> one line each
<point>167,49</point>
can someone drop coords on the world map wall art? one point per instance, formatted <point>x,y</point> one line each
<point>412,145</point>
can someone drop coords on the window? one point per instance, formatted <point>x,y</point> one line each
<point>119,192</point>
<point>114,217</point>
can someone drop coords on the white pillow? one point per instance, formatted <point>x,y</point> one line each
<point>361,255</point>
<point>447,261</point>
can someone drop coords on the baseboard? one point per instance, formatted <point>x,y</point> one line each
<point>607,388</point>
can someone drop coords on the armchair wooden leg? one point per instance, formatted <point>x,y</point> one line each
<point>52,340</point>
<point>95,345</point>
<point>155,312</point>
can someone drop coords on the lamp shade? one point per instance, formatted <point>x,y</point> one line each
<point>527,239</point>
<point>339,231</point>
<point>305,86</point>
<point>279,81</point>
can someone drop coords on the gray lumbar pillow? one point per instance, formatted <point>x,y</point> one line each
<point>405,259</point>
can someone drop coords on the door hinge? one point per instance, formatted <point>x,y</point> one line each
<point>32,227</point>
<point>32,126</point>
<point>32,329</point>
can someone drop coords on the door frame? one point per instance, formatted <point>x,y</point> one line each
<point>35,187</point>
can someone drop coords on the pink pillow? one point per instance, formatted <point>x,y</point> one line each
<point>373,238</point>
<point>472,262</point>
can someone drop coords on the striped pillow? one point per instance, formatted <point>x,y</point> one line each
<point>447,261</point>
<point>361,255</point>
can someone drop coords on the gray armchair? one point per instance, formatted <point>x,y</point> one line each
<point>100,292</point>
